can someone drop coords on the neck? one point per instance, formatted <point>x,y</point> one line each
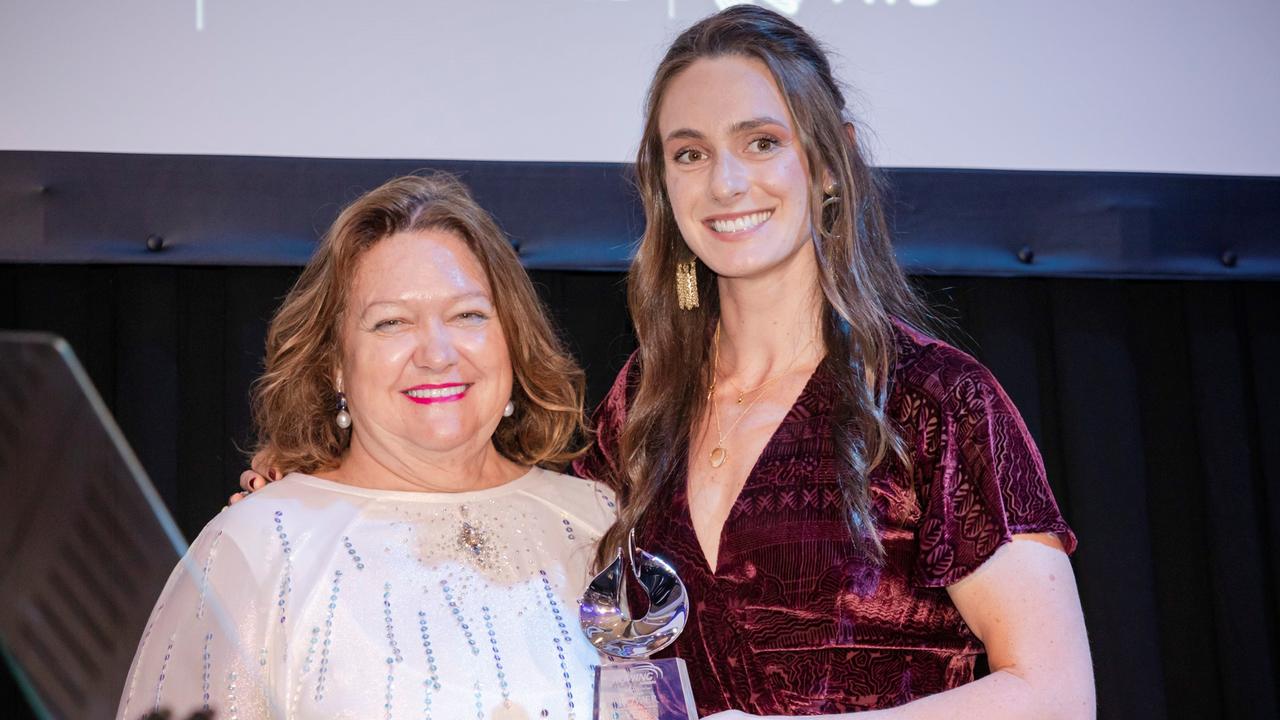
<point>770,322</point>
<point>370,465</point>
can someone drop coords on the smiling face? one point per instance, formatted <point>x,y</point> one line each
<point>425,365</point>
<point>736,176</point>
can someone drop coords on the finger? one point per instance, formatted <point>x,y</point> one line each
<point>260,466</point>
<point>236,498</point>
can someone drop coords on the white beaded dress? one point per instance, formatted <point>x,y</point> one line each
<point>314,599</point>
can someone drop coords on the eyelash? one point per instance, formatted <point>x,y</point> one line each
<point>773,142</point>
<point>468,315</point>
<point>682,156</point>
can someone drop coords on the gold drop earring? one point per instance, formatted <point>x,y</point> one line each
<point>687,283</point>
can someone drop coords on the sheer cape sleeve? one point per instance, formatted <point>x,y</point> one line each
<point>200,648</point>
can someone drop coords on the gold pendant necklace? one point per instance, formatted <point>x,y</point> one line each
<point>719,454</point>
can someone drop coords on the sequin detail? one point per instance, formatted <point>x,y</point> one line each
<point>432,683</point>
<point>233,705</point>
<point>396,657</point>
<point>565,635</point>
<point>206,665</point>
<point>351,552</point>
<point>398,647</point>
<point>328,635</point>
<point>164,668</point>
<point>598,488</point>
<point>312,643</point>
<point>142,649</point>
<point>564,671</point>
<point>311,649</point>
<point>497,657</point>
<point>457,615</point>
<point>204,575</point>
<point>555,607</point>
<point>286,582</point>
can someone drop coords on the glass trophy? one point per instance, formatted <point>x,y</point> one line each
<point>630,685</point>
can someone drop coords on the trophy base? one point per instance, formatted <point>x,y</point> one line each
<point>644,690</point>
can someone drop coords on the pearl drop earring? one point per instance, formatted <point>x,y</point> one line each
<point>509,410</point>
<point>343,418</point>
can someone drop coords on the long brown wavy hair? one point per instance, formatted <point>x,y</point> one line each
<point>294,402</point>
<point>863,288</point>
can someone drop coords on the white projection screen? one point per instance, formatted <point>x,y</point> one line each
<point>1180,86</point>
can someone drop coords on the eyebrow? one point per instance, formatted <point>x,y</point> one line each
<point>738,127</point>
<point>451,299</point>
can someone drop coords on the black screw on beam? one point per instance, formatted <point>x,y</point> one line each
<point>155,243</point>
<point>1026,255</point>
<point>1229,258</point>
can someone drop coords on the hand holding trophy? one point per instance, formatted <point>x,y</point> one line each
<point>633,687</point>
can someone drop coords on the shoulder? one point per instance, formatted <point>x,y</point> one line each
<point>623,389</point>
<point>588,501</point>
<point>295,502</point>
<point>931,369</point>
<point>600,461</point>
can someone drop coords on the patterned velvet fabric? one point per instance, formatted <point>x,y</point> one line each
<point>793,622</point>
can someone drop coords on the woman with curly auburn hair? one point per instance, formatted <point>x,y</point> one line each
<point>856,508</point>
<point>415,559</point>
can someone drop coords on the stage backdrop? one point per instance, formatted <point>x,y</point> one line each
<point>1156,405</point>
<point>1131,317</point>
<point>1110,249</point>
<point>1182,86</point>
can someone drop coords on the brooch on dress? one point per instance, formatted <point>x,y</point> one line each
<point>474,541</point>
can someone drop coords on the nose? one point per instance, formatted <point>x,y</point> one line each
<point>435,349</point>
<point>728,178</point>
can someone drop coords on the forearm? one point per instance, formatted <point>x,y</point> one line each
<point>1002,695</point>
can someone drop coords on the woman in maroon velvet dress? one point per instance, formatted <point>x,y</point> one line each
<point>856,508</point>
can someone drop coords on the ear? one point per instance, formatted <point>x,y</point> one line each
<point>337,379</point>
<point>852,133</point>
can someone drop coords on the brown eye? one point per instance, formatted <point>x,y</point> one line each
<point>689,155</point>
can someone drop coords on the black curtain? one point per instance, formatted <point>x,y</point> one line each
<point>1156,405</point>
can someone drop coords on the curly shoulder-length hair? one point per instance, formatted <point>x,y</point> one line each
<point>863,290</point>
<point>295,401</point>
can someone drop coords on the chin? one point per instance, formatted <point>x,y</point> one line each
<point>747,267</point>
<point>443,440</point>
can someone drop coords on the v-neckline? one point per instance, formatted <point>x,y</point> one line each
<point>734,509</point>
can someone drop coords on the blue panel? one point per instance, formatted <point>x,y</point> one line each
<point>220,210</point>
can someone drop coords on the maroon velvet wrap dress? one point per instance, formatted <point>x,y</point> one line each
<point>794,621</point>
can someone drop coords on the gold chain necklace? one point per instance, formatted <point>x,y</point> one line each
<point>719,453</point>
<point>763,385</point>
